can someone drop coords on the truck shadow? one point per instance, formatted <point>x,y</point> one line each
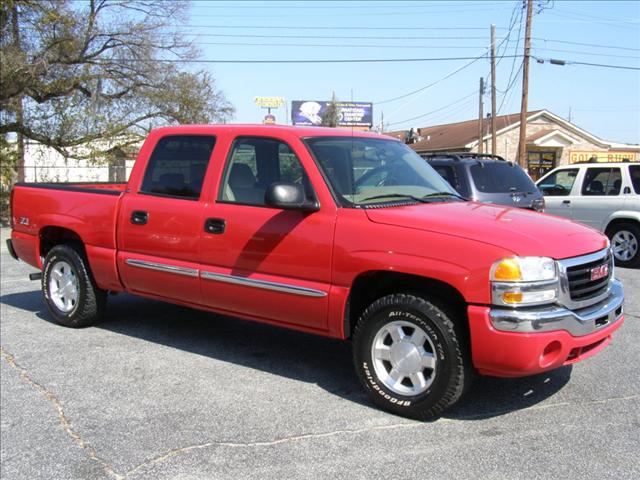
<point>287,353</point>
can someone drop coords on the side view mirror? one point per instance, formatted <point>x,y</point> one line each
<point>289,196</point>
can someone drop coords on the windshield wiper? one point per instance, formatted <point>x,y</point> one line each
<point>445,194</point>
<point>395,195</point>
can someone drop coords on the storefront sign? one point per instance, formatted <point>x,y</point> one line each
<point>576,156</point>
<point>350,114</point>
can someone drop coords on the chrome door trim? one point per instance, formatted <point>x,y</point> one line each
<point>249,282</point>
<point>161,267</point>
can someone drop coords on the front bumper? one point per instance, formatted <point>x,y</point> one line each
<point>515,343</point>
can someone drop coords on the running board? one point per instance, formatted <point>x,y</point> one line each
<point>35,276</point>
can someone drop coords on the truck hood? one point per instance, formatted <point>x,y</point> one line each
<point>523,232</point>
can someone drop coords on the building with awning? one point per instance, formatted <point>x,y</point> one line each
<point>551,141</point>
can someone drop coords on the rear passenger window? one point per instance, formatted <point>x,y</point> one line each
<point>602,182</point>
<point>256,163</point>
<point>634,171</point>
<point>177,166</point>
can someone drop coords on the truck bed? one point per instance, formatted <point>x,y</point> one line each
<point>88,209</point>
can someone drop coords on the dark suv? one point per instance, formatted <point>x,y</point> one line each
<point>487,178</point>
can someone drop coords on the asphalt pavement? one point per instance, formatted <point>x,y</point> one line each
<point>158,391</point>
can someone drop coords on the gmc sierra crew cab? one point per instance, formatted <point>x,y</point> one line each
<point>344,234</point>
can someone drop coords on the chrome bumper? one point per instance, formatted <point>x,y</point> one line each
<point>577,322</point>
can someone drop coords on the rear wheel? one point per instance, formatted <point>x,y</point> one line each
<point>409,357</point>
<point>71,295</point>
<point>625,244</point>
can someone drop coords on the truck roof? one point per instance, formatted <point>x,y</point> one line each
<point>296,130</point>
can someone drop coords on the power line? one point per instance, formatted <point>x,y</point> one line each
<point>571,62</point>
<point>343,45</point>
<point>472,94</point>
<point>615,47</point>
<point>505,39</point>
<point>342,60</point>
<point>332,27</point>
<point>395,5</point>
<point>578,52</point>
<point>399,97</point>
<point>339,37</point>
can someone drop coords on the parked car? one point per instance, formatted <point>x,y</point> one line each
<point>605,196</point>
<point>347,235</point>
<point>487,178</point>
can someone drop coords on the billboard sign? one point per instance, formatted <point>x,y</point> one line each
<point>350,114</point>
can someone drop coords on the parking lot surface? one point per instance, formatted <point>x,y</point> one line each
<point>164,392</point>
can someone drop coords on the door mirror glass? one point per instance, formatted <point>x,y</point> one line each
<point>289,196</point>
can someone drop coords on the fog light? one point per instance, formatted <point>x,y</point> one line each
<point>550,353</point>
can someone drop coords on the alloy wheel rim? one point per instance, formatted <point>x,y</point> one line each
<point>63,286</point>
<point>624,245</point>
<point>404,358</point>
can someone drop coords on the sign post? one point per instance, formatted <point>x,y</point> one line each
<point>269,103</point>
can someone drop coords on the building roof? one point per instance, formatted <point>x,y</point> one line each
<point>458,135</point>
<point>464,135</point>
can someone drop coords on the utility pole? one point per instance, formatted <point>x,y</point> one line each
<point>481,118</point>
<point>522,147</point>
<point>493,90</point>
<point>18,106</point>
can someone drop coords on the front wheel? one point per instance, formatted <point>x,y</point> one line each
<point>409,357</point>
<point>70,293</point>
<point>625,244</point>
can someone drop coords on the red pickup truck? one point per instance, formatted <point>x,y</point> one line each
<point>348,235</point>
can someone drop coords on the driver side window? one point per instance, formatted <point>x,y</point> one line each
<point>559,184</point>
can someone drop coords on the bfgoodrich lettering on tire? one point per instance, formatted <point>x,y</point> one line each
<point>71,295</point>
<point>409,357</point>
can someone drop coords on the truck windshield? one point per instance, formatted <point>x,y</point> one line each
<point>371,171</point>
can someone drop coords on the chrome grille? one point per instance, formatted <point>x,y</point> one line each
<point>581,286</point>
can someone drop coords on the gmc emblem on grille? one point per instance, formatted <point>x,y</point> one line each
<point>600,272</point>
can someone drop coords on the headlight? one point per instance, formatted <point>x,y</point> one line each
<point>524,281</point>
<point>524,269</point>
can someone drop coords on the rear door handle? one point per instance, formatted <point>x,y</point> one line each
<point>566,202</point>
<point>138,217</point>
<point>215,225</point>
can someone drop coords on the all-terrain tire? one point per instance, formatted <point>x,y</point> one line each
<point>419,395</point>
<point>70,293</point>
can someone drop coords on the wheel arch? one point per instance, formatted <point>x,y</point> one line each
<point>52,235</point>
<point>371,285</point>
<point>622,217</point>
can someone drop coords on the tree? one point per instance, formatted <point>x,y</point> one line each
<point>331,115</point>
<point>87,77</point>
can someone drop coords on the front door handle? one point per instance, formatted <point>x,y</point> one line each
<point>138,217</point>
<point>215,225</point>
<point>566,202</point>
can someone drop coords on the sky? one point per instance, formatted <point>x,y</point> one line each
<point>604,101</point>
